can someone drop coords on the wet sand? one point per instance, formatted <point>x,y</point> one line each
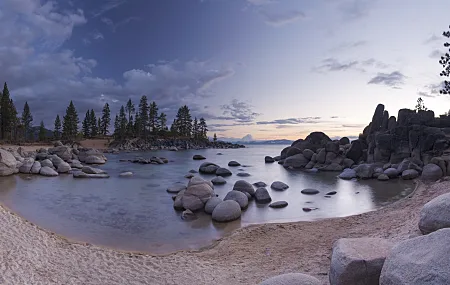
<point>30,255</point>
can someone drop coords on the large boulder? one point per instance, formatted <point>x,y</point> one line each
<point>237,196</point>
<point>355,151</point>
<point>63,167</point>
<point>262,196</point>
<point>410,174</point>
<point>234,163</point>
<point>176,188</point>
<point>26,167</point>
<point>86,155</point>
<point>435,214</point>
<point>226,211</point>
<point>8,163</point>
<point>364,171</point>
<point>93,159</point>
<point>296,161</point>
<point>211,204</point>
<point>269,159</point>
<point>64,152</point>
<point>332,147</point>
<point>347,174</point>
<point>196,195</point>
<point>244,186</point>
<point>358,260</point>
<point>308,154</point>
<point>431,172</point>
<point>36,168</point>
<point>321,156</point>
<point>47,162</point>
<point>344,141</point>
<point>218,180</point>
<point>420,260</point>
<point>47,171</point>
<point>223,172</point>
<point>208,168</point>
<point>391,172</point>
<point>291,279</point>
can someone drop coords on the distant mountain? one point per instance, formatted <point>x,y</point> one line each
<point>247,138</point>
<point>240,141</point>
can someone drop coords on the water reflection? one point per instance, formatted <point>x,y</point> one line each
<point>136,213</point>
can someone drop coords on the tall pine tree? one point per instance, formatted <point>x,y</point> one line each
<point>153,117</point>
<point>57,129</point>
<point>203,129</point>
<point>85,125</point>
<point>143,117</point>
<point>123,122</point>
<point>93,123</point>
<point>105,121</point>
<point>5,115</point>
<point>162,122</point>
<point>70,123</point>
<point>195,130</point>
<point>42,132</point>
<point>27,119</point>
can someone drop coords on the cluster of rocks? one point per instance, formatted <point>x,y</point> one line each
<point>417,144</point>
<point>372,261</point>
<point>151,160</point>
<point>51,162</point>
<point>137,144</point>
<point>199,195</point>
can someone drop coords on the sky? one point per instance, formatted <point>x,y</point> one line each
<point>269,68</point>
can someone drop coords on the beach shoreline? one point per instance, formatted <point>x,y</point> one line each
<point>245,256</point>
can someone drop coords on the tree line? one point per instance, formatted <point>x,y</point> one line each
<point>144,122</point>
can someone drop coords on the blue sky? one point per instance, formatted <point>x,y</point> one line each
<point>269,68</point>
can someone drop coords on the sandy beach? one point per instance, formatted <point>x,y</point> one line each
<point>31,255</point>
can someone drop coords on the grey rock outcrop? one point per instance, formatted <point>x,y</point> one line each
<point>358,260</point>
<point>435,214</point>
<point>197,194</point>
<point>420,260</point>
<point>47,171</point>
<point>431,172</point>
<point>8,163</point>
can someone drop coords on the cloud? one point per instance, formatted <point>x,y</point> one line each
<point>425,94</point>
<point>353,126</point>
<point>432,39</point>
<point>109,5</point>
<point>355,9</point>
<point>115,26</point>
<point>432,90</point>
<point>291,121</point>
<point>95,35</point>
<point>334,117</point>
<point>332,64</point>
<point>348,45</point>
<point>239,111</point>
<point>281,19</point>
<point>393,79</point>
<point>436,54</point>
<point>261,2</point>
<point>374,63</point>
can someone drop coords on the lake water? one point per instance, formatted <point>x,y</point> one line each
<point>136,213</point>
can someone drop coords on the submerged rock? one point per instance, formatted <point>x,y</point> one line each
<point>244,186</point>
<point>260,184</point>
<point>223,172</point>
<point>126,174</point>
<point>188,215</point>
<point>92,170</point>
<point>234,163</point>
<point>176,188</point>
<point>243,174</point>
<point>279,204</point>
<point>218,180</point>
<point>198,157</point>
<point>279,186</point>
<point>211,204</point>
<point>80,174</point>
<point>269,159</point>
<point>226,211</point>
<point>262,196</point>
<point>309,191</point>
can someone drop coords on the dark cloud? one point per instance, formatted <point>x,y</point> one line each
<point>393,79</point>
<point>238,111</point>
<point>291,121</point>
<point>280,19</point>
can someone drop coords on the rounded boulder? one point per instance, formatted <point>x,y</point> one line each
<point>239,197</point>
<point>226,211</point>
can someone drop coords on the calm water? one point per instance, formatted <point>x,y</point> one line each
<point>136,213</point>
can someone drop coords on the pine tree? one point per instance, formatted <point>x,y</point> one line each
<point>15,121</point>
<point>99,124</point>
<point>85,125</point>
<point>116,127</point>
<point>203,129</point>
<point>5,116</point>
<point>174,127</point>
<point>143,116</point>
<point>215,138</point>
<point>105,121</point>
<point>130,109</point>
<point>27,119</point>
<point>130,126</point>
<point>42,132</point>
<point>122,123</point>
<point>93,123</point>
<point>195,130</point>
<point>153,117</point>
<point>57,130</point>
<point>136,126</point>
<point>70,123</point>
<point>162,122</point>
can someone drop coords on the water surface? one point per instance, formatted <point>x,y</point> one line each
<point>136,213</point>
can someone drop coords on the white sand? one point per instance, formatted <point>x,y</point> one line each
<point>30,255</point>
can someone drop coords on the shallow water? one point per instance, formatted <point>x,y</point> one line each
<point>136,213</point>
